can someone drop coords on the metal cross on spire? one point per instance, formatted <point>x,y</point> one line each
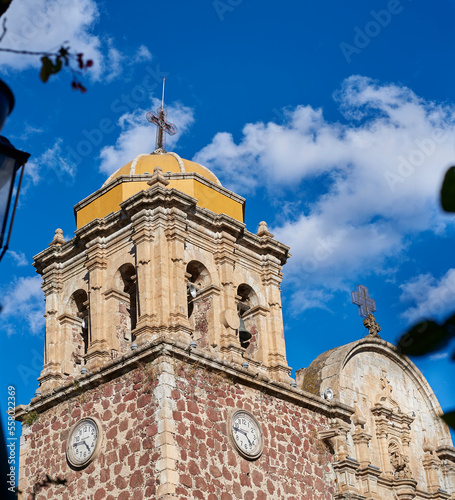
<point>361,298</point>
<point>159,119</point>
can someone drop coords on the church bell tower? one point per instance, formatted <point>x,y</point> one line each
<point>161,250</point>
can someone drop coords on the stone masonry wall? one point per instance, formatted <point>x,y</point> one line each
<point>294,464</point>
<point>165,432</point>
<point>124,468</point>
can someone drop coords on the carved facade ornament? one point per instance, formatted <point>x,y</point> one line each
<point>370,323</point>
<point>399,462</point>
<point>385,385</point>
<point>158,178</point>
<point>58,238</point>
<point>263,230</point>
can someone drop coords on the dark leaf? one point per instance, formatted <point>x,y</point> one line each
<point>57,66</point>
<point>448,191</point>
<point>78,86</point>
<point>450,322</point>
<point>423,338</point>
<point>4,4</point>
<point>80,62</point>
<point>46,69</point>
<point>89,63</point>
<point>64,53</point>
<point>449,419</point>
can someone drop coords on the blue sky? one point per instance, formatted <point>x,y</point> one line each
<point>334,120</point>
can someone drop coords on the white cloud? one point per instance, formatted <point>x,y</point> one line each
<point>114,61</point>
<point>27,132</point>
<point>46,25</point>
<point>142,54</point>
<point>43,25</point>
<point>376,178</point>
<point>438,356</point>
<point>54,161</point>
<point>430,298</point>
<point>138,136</point>
<point>19,258</point>
<point>23,306</point>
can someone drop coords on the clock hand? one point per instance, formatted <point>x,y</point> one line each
<point>81,442</point>
<point>243,432</point>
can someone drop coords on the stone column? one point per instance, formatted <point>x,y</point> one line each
<point>51,375</point>
<point>271,279</point>
<point>143,237</point>
<point>446,455</point>
<point>166,465</point>
<point>161,263</point>
<point>384,449</point>
<point>225,260</point>
<point>431,464</point>
<point>176,236</point>
<point>448,472</point>
<point>98,351</point>
<point>361,440</point>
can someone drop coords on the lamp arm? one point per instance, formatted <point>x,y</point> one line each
<point>5,248</point>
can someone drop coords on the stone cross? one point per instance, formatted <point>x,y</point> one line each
<point>361,298</point>
<point>159,119</point>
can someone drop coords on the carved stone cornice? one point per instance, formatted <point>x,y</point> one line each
<point>369,471</point>
<point>207,291</point>
<point>361,437</point>
<point>405,489</point>
<point>446,453</point>
<point>69,319</point>
<point>256,310</point>
<point>178,350</point>
<point>116,294</point>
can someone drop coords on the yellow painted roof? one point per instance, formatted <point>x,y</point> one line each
<point>169,162</point>
<point>210,196</point>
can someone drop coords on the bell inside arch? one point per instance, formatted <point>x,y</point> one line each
<point>244,334</point>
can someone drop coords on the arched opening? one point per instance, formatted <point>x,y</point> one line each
<point>199,301</point>
<point>246,300</point>
<point>126,282</point>
<point>79,308</point>
<point>198,278</point>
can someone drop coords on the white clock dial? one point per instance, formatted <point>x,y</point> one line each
<point>246,434</point>
<point>83,442</point>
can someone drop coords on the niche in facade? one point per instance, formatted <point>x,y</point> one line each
<point>246,301</point>
<point>80,333</point>
<point>126,282</point>
<point>200,301</point>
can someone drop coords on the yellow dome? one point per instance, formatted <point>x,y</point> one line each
<point>186,176</point>
<point>169,162</point>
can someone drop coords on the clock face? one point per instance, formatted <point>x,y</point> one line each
<point>83,442</point>
<point>246,434</point>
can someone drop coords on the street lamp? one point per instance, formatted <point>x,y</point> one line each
<point>11,160</point>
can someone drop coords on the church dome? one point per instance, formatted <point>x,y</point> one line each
<point>145,164</point>
<point>183,175</point>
